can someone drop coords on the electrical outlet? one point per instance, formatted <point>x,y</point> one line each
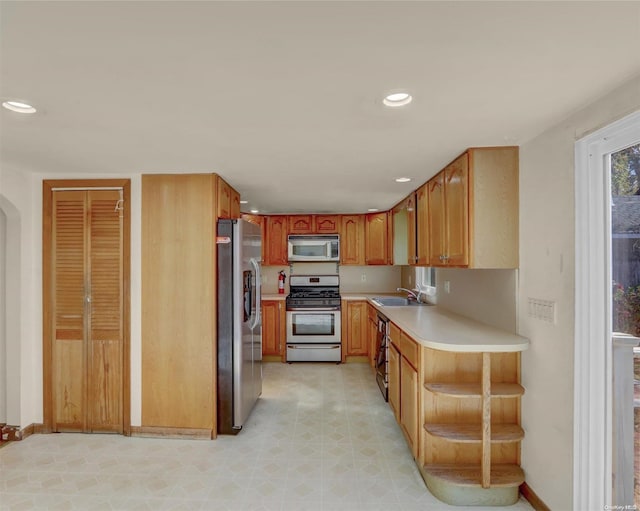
<point>447,286</point>
<point>410,280</point>
<point>363,277</point>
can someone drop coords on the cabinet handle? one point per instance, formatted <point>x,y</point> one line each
<point>442,258</point>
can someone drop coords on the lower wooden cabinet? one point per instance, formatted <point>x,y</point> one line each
<point>394,380</point>
<point>409,404</point>
<point>354,328</point>
<point>372,334</point>
<point>273,328</point>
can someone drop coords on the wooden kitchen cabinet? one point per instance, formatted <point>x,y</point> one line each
<point>352,245</point>
<point>354,327</point>
<point>227,200</point>
<point>394,381</point>
<point>327,224</point>
<point>372,334</point>
<point>273,329</point>
<point>412,254</point>
<point>409,404</point>
<point>178,304</point>
<point>409,391</point>
<point>235,204</point>
<point>274,246</point>
<point>473,210</point>
<point>376,238</point>
<point>301,224</point>
<point>422,226</point>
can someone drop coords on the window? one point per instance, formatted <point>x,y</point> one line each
<point>426,281</point>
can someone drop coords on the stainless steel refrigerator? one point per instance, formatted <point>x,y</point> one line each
<point>239,247</point>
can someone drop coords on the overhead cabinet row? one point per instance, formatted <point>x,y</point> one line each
<point>466,216</point>
<point>364,239</point>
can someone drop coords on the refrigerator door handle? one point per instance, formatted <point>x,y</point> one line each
<point>257,316</point>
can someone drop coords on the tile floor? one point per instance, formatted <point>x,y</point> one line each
<point>320,438</point>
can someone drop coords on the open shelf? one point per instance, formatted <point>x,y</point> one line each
<point>502,476</point>
<point>466,390</point>
<point>472,433</point>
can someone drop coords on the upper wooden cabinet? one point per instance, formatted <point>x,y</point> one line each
<point>436,222</point>
<point>422,225</point>
<point>235,204</point>
<point>352,246</point>
<point>327,224</point>
<point>376,238</point>
<point>473,210</point>
<point>228,200</point>
<point>274,244</point>
<point>301,224</point>
<point>412,253</point>
<point>314,224</point>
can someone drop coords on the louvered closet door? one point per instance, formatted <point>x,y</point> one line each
<point>88,288</point>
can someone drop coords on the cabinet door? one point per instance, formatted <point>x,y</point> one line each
<point>271,340</point>
<point>394,380</point>
<point>436,220</point>
<point>409,403</point>
<point>235,204</point>
<point>411,229</point>
<point>352,239</point>
<point>376,238</point>
<point>275,246</point>
<point>300,224</point>
<point>422,225</point>
<point>224,199</point>
<point>327,224</point>
<point>390,236</point>
<point>356,327</point>
<point>457,212</point>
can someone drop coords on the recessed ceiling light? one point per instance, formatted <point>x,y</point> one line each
<point>19,106</point>
<point>244,202</point>
<point>254,211</point>
<point>372,210</point>
<point>403,179</point>
<point>397,99</point>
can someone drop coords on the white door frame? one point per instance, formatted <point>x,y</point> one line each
<point>592,448</point>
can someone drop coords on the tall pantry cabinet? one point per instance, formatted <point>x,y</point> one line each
<point>179,222</point>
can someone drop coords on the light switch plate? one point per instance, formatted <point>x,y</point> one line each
<point>544,310</point>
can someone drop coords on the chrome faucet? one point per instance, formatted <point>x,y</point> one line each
<point>411,293</point>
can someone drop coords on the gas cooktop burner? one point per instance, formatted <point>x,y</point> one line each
<point>314,292</point>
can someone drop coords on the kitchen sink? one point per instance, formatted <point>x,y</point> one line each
<point>396,301</point>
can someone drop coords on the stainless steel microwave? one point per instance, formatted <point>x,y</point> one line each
<point>314,247</point>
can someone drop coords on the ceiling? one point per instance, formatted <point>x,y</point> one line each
<point>283,99</point>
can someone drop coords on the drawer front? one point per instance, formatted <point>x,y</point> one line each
<point>409,349</point>
<point>394,334</point>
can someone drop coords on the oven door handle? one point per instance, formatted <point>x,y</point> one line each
<point>313,347</point>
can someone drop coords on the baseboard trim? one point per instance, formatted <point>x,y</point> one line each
<point>31,429</point>
<point>162,432</point>
<point>535,501</point>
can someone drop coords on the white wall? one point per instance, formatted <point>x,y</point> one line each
<point>547,237</point>
<point>3,329</point>
<point>23,189</point>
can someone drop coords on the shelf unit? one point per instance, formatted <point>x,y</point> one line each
<point>472,433</point>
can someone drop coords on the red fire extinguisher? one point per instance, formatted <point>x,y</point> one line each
<point>281,277</point>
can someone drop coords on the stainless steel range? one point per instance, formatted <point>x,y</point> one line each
<point>313,319</point>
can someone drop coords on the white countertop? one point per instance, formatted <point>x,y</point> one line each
<point>440,329</point>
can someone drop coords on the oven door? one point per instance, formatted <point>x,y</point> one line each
<point>313,326</point>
